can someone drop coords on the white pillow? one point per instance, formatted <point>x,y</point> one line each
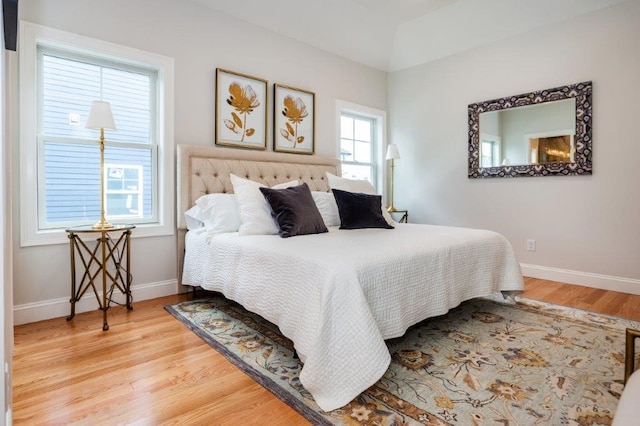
<point>219,212</point>
<point>255,212</point>
<point>326,203</point>
<point>193,218</point>
<point>362,186</point>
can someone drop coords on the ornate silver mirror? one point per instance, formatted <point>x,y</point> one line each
<point>544,133</point>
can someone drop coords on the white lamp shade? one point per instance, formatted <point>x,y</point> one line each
<point>100,116</point>
<point>392,152</point>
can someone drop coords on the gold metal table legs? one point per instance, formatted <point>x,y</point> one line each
<point>106,266</point>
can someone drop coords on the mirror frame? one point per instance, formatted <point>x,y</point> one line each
<point>582,164</point>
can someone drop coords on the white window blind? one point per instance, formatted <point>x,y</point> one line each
<point>69,166</point>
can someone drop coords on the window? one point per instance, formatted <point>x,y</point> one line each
<point>361,141</point>
<point>71,170</point>
<point>61,75</point>
<point>489,150</point>
<point>487,154</point>
<point>358,147</point>
<point>123,191</point>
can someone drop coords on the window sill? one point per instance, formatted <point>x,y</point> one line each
<point>59,236</point>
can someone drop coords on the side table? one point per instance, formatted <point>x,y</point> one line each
<point>104,253</point>
<point>404,218</point>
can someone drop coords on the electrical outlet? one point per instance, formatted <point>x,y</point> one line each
<point>531,245</point>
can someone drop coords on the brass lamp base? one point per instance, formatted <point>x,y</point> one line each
<point>392,209</point>
<point>102,224</point>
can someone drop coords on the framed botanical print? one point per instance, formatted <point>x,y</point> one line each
<point>293,120</point>
<point>241,110</point>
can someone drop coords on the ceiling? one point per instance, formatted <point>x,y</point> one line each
<point>396,34</point>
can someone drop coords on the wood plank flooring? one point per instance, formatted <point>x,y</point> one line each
<point>149,369</point>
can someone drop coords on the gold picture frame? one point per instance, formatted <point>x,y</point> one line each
<point>293,120</point>
<point>241,110</point>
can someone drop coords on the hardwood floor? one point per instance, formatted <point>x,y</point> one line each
<point>149,369</point>
<point>591,299</point>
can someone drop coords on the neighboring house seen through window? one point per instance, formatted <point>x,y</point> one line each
<point>123,191</point>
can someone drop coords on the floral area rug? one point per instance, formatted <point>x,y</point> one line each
<point>485,362</point>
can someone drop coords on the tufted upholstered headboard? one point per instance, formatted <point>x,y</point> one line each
<point>205,170</point>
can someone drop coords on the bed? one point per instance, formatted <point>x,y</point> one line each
<point>338,295</point>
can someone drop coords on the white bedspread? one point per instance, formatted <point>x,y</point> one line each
<point>339,295</point>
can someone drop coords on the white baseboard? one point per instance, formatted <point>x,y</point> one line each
<point>55,308</point>
<point>587,279</point>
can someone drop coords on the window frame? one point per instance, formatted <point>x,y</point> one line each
<point>373,144</point>
<point>379,136</point>
<point>42,139</point>
<point>496,145</point>
<point>32,36</point>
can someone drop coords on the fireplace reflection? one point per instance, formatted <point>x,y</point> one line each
<point>553,149</point>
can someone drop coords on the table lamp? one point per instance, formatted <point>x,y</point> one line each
<point>392,154</point>
<point>100,117</point>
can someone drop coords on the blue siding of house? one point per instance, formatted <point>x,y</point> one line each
<point>72,179</point>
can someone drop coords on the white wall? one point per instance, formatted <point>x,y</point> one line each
<point>587,227</point>
<point>199,40</point>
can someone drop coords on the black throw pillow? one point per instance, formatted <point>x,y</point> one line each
<point>294,210</point>
<point>359,210</point>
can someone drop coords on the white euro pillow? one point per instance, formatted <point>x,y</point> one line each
<point>327,206</point>
<point>357,185</point>
<point>255,212</point>
<point>193,218</point>
<point>218,212</point>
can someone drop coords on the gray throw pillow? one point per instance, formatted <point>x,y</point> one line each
<point>358,210</point>
<point>295,211</point>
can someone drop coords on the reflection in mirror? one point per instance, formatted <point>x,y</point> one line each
<point>534,134</point>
